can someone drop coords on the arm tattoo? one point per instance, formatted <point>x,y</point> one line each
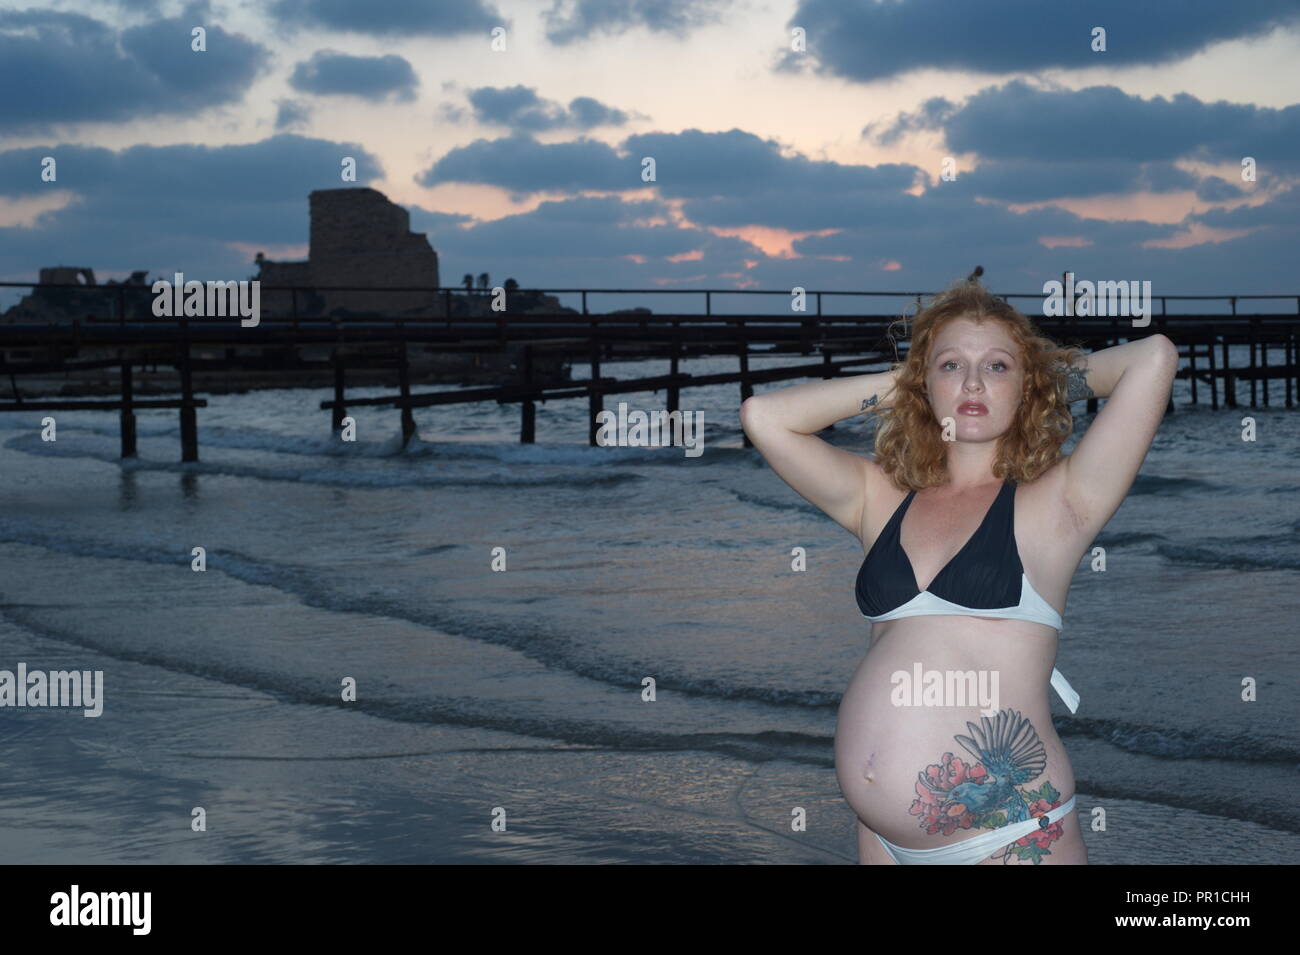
<point>868,402</point>
<point>1076,383</point>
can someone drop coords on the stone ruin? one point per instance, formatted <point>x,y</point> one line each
<point>358,238</point>
<point>63,305</point>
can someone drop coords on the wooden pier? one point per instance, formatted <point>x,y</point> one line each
<point>837,343</point>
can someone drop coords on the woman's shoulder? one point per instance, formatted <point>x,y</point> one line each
<point>881,496</point>
<point>877,480</point>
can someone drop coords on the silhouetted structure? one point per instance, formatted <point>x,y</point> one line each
<point>63,305</point>
<point>357,238</point>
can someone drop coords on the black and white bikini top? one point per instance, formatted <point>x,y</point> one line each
<point>984,579</point>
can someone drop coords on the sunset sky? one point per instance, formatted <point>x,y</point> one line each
<point>775,167</point>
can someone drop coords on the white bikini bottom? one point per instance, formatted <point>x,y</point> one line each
<point>977,848</point>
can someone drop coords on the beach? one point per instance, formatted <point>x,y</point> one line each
<point>518,694</point>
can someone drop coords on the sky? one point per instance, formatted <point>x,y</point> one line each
<point>794,143</point>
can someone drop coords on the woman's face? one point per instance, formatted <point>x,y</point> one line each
<point>975,376</point>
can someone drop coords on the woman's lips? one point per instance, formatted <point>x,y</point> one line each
<point>972,408</point>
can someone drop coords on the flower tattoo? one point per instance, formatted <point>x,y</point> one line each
<point>989,792</point>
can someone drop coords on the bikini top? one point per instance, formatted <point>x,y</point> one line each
<point>984,579</point>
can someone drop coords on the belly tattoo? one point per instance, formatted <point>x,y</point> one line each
<point>990,791</point>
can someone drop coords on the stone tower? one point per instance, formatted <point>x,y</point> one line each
<point>359,238</point>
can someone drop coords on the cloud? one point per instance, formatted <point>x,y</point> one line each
<point>734,178</point>
<point>587,226</point>
<point>390,18</point>
<point>568,21</point>
<point>452,115</point>
<point>1031,180</point>
<point>522,109</point>
<point>184,207</point>
<point>522,165</point>
<point>588,112</point>
<point>866,219</point>
<point>729,169</point>
<point>290,114</point>
<point>1282,210</point>
<point>1215,189</point>
<point>870,40</point>
<point>1019,121</point>
<point>585,241</point>
<point>932,114</point>
<point>1033,143</point>
<point>375,78</point>
<point>64,67</point>
<point>178,206</point>
<point>604,241</point>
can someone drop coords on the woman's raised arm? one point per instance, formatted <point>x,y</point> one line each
<point>783,426</point>
<point>1095,374</point>
<point>1135,378</point>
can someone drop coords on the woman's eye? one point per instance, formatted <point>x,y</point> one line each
<point>1001,365</point>
<point>947,363</point>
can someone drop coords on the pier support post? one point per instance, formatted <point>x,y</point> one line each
<point>404,384</point>
<point>1214,376</point>
<point>1253,377</point>
<point>1229,389</point>
<point>528,418</point>
<point>674,351</point>
<point>189,415</point>
<point>339,412</point>
<point>746,388</point>
<point>128,413</point>
<point>595,401</point>
<point>1291,361</point>
<point>1263,366</point>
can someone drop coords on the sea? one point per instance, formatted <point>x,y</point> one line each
<point>475,651</point>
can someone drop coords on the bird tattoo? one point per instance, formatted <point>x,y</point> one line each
<point>1011,753</point>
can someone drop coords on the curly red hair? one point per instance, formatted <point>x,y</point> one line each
<point>908,444</point>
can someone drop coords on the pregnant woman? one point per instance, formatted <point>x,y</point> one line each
<point>973,525</point>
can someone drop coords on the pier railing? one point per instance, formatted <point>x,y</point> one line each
<point>118,336</point>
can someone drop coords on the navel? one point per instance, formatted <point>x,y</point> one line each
<point>869,770</point>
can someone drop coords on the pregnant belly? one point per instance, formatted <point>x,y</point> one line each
<point>945,732</point>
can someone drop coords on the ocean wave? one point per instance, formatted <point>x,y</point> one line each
<point>1130,539</point>
<point>1164,485</point>
<point>248,438</point>
<point>792,503</point>
<point>546,645</point>
<point>423,708</point>
<point>330,475</point>
<point>1262,552</point>
<point>1179,744</point>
